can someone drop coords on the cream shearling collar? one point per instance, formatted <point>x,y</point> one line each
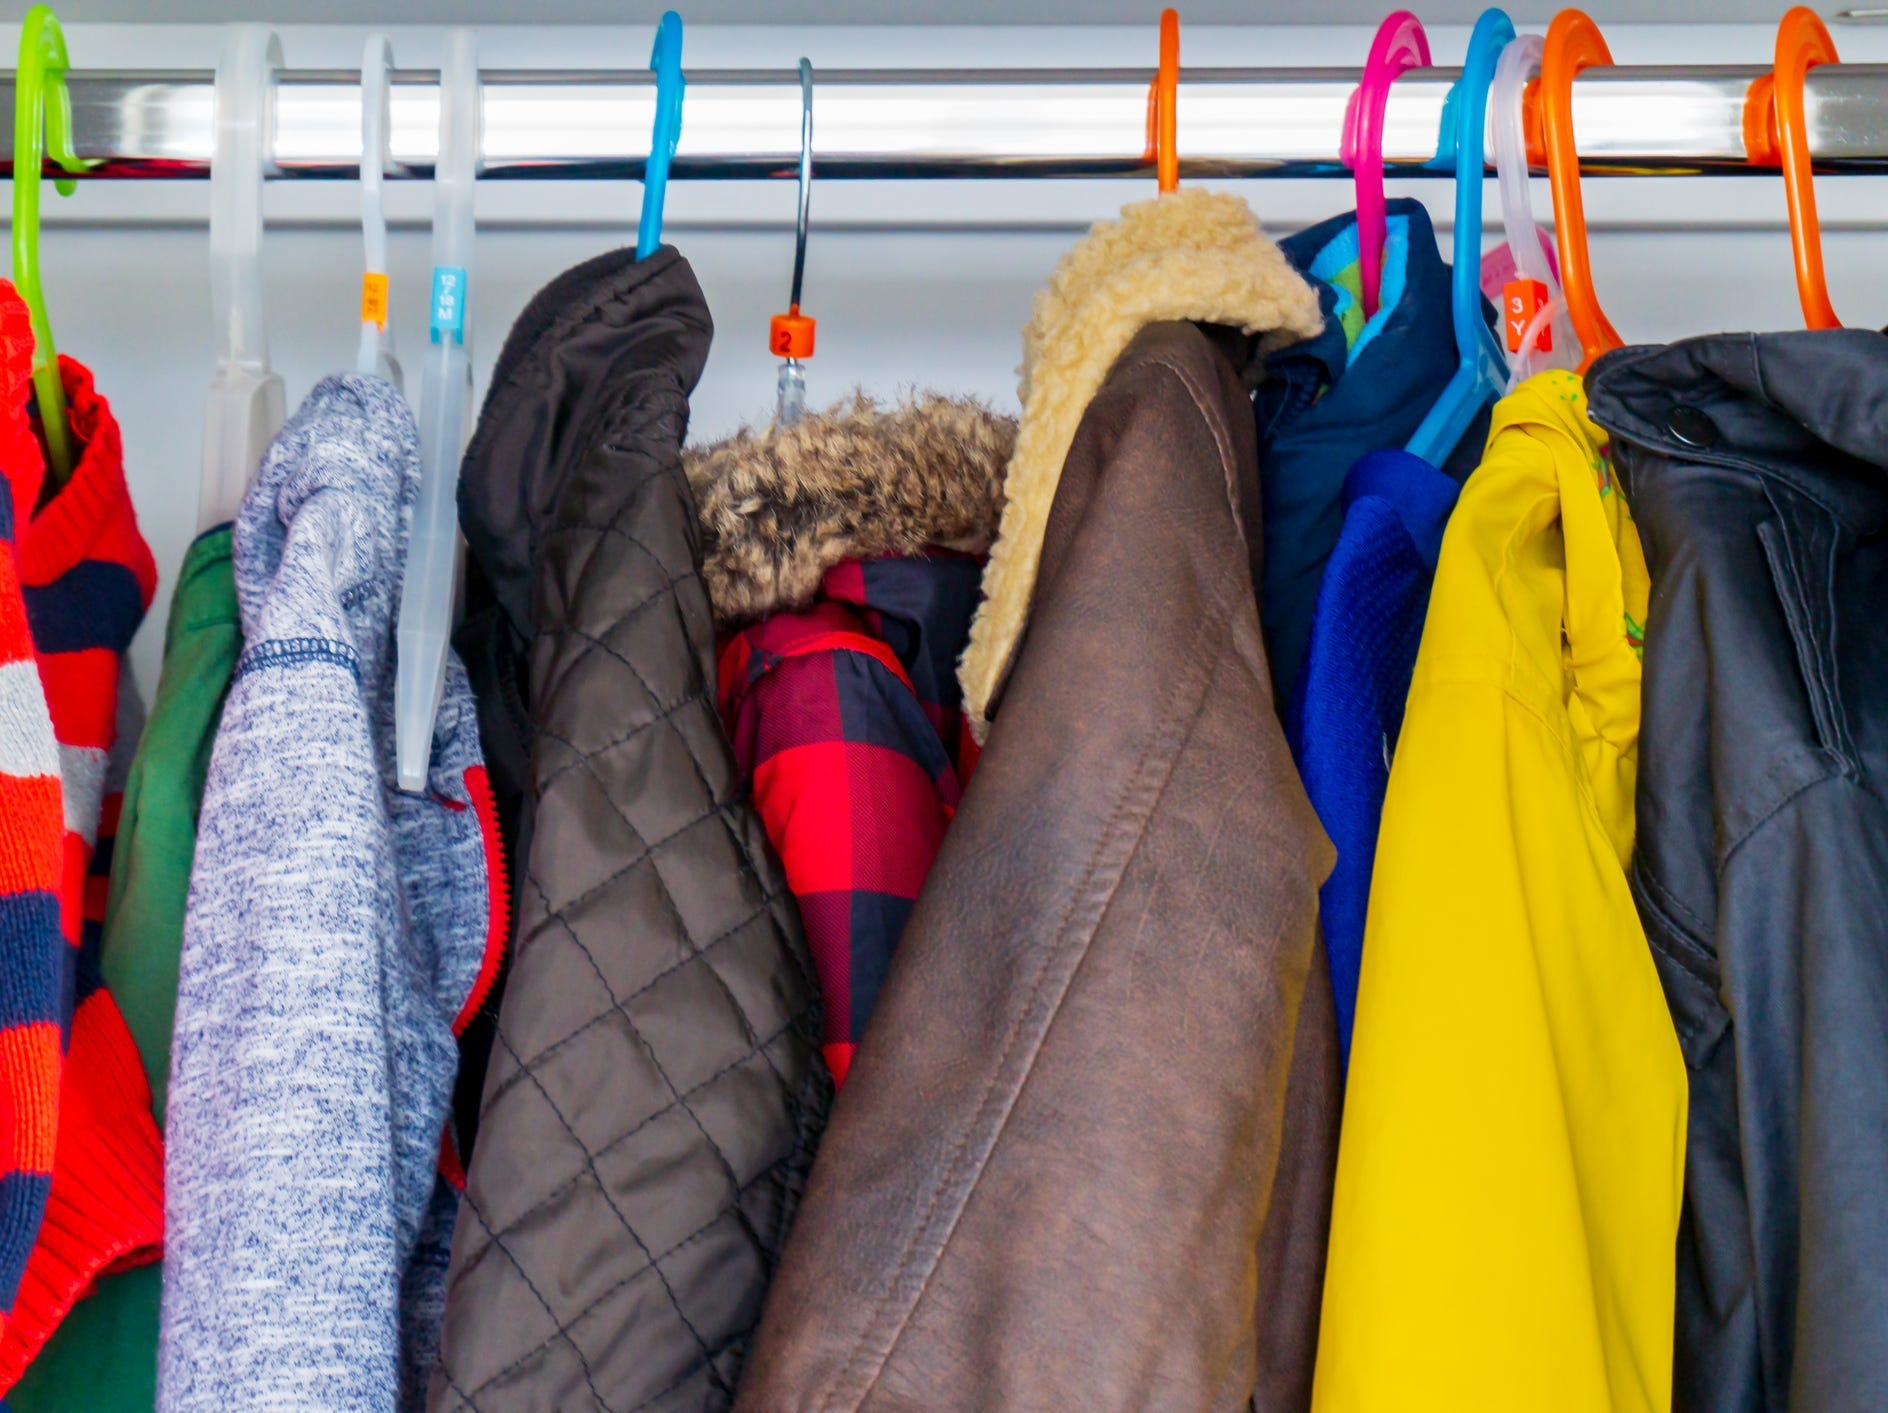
<point>1192,254</point>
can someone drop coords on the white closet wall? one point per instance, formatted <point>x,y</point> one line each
<point>914,284</point>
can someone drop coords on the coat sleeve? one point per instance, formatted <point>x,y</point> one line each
<point>855,790</point>
<point>1510,1160</point>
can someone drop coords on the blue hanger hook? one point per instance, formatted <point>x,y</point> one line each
<point>666,63</point>
<point>1483,372</point>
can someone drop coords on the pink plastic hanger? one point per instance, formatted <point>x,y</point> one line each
<point>1400,44</point>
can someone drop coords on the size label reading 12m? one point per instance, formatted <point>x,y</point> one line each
<point>449,303</point>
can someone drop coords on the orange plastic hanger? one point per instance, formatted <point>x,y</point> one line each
<point>1776,130</point>
<point>1573,43</point>
<point>1163,107</point>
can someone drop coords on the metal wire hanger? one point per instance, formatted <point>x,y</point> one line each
<point>791,334</point>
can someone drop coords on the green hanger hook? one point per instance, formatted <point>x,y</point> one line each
<point>42,123</point>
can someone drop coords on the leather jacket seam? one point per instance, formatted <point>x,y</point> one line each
<point>1101,847</point>
<point>941,1184</point>
<point>854,1363</point>
<point>1202,404</point>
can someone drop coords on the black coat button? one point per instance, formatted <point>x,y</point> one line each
<point>1692,426</point>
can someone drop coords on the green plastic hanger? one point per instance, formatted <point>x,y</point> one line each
<point>42,123</point>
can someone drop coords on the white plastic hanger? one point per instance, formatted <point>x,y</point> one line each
<point>376,352</point>
<point>1519,62</point>
<point>247,403</point>
<point>426,598</point>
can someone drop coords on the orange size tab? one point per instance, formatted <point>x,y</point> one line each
<point>791,335</point>
<point>374,299</point>
<point>1521,300</point>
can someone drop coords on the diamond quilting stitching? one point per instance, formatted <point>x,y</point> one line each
<point>649,1256</point>
<point>548,1051</point>
<point>605,1149</point>
<point>562,1331</point>
<point>567,655</point>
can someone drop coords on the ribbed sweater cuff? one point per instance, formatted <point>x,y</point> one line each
<point>71,525</point>
<point>106,1208</point>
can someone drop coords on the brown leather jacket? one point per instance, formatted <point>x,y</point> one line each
<point>1084,1157</point>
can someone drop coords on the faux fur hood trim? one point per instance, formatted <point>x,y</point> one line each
<point>1192,254</point>
<point>780,506</point>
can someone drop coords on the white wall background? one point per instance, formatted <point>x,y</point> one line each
<point>913,284</point>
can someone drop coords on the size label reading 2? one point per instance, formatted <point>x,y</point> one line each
<point>791,334</point>
<point>449,284</point>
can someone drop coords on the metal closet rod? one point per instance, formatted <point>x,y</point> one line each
<point>922,123</point>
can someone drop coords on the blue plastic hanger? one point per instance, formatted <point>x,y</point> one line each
<point>1483,372</point>
<point>666,62</point>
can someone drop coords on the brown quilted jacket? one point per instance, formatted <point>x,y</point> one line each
<point>1083,1159</point>
<point>655,1088</point>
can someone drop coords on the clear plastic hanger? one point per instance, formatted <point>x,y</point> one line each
<point>790,335</point>
<point>247,403</point>
<point>426,596</point>
<point>376,350</point>
<point>1536,331</point>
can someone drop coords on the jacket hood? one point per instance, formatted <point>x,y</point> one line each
<point>332,501</point>
<point>593,340</point>
<point>1808,399</point>
<point>1189,255</point>
<point>780,506</point>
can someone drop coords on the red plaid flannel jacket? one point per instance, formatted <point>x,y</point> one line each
<point>847,721</point>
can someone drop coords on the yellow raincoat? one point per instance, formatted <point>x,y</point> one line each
<point>1510,1171</point>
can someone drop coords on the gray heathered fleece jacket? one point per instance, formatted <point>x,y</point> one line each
<point>338,932</point>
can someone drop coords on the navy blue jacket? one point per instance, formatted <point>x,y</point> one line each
<point>1331,399</point>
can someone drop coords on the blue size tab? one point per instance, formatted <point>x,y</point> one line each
<point>449,302</point>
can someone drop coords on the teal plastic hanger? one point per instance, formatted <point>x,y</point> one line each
<point>42,123</point>
<point>666,61</point>
<point>1483,371</point>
